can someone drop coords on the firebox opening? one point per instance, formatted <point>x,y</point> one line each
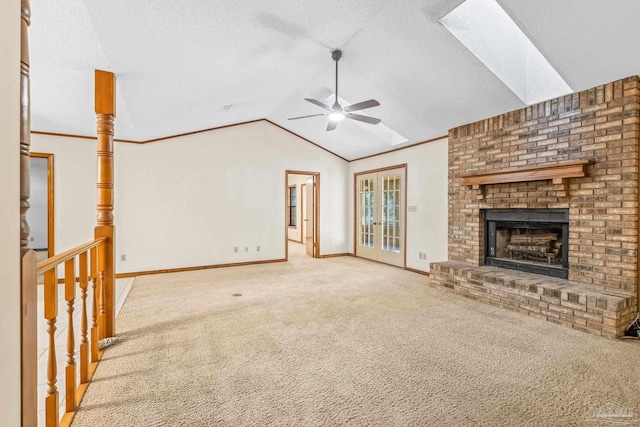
<point>531,240</point>
<point>536,243</point>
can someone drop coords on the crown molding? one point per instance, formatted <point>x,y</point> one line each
<point>164,138</point>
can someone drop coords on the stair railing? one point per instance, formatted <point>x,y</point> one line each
<point>82,265</point>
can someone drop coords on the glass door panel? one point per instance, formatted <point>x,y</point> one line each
<point>366,215</point>
<point>366,212</point>
<point>390,213</point>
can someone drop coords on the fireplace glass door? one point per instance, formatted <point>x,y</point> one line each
<point>531,240</point>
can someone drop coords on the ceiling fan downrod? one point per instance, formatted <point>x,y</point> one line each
<point>337,56</point>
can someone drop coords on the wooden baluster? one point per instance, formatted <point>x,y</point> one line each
<point>105,108</point>
<point>70,369</point>
<point>51,314</point>
<point>101,314</point>
<point>101,303</point>
<point>84,343</point>
<point>28,279</point>
<point>94,306</point>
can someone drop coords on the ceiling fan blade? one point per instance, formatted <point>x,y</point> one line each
<point>361,105</point>
<point>361,118</point>
<point>318,103</point>
<point>332,125</point>
<point>304,117</point>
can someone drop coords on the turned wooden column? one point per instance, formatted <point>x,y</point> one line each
<point>105,107</point>
<point>25,127</point>
<point>28,275</point>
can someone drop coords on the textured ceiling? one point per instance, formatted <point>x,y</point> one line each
<point>178,63</point>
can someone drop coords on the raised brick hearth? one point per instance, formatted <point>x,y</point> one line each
<point>585,307</point>
<point>599,125</point>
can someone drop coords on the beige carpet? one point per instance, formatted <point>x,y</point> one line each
<point>344,341</point>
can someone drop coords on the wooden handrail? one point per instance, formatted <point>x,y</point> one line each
<point>54,261</point>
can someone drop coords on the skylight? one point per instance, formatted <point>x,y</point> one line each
<point>381,130</point>
<point>492,36</point>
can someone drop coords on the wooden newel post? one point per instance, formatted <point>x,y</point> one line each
<point>105,106</point>
<point>28,277</point>
<point>25,127</point>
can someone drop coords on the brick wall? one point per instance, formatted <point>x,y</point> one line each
<point>600,124</point>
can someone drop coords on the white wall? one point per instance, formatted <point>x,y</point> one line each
<point>426,190</point>
<point>74,183</point>
<point>9,212</point>
<point>189,201</point>
<point>37,215</point>
<point>297,180</point>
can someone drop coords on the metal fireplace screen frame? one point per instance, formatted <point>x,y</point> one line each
<point>527,218</point>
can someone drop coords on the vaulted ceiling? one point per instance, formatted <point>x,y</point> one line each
<point>179,63</point>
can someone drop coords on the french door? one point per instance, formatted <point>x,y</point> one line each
<point>380,210</point>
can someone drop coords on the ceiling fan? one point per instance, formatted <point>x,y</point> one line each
<point>336,112</point>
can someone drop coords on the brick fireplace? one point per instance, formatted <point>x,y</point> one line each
<point>578,153</point>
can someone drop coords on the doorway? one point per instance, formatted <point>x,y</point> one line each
<point>302,211</point>
<point>380,212</point>
<point>303,204</point>
<point>40,215</point>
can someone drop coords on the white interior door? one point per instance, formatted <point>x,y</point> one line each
<point>303,209</point>
<point>310,218</point>
<point>380,214</point>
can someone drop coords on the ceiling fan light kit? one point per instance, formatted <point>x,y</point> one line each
<point>336,112</point>
<point>336,116</point>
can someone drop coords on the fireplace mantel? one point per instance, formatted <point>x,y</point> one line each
<point>575,169</point>
<point>558,173</point>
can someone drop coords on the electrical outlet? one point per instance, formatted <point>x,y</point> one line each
<point>246,248</point>
<point>235,249</point>
<point>123,257</point>
<point>257,248</point>
<point>31,239</point>
<point>419,255</point>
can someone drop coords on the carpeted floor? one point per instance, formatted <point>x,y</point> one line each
<point>344,341</point>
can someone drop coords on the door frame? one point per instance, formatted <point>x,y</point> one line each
<point>316,213</point>
<point>50,201</point>
<point>355,208</point>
